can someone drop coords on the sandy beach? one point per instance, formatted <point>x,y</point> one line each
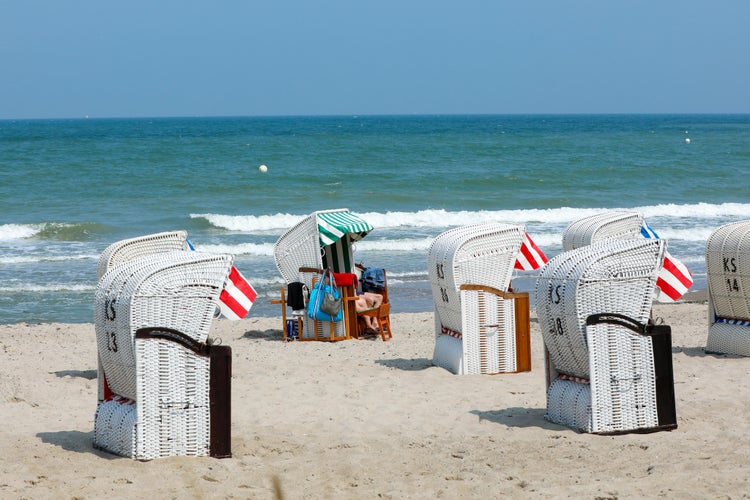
<point>373,419</point>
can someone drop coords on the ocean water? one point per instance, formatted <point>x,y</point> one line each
<point>69,188</point>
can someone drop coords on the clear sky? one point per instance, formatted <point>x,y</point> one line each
<point>331,57</point>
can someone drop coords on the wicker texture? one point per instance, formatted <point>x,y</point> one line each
<point>491,348</point>
<point>479,254</point>
<point>728,338</point>
<point>569,404</point>
<point>115,426</point>
<point>298,247</point>
<point>615,224</point>
<point>612,276</point>
<point>173,408</point>
<point>164,384</point>
<point>140,246</point>
<point>623,383</point>
<point>728,270</point>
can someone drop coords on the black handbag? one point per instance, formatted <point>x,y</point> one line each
<point>296,295</point>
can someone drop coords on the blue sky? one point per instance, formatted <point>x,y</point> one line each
<point>284,57</point>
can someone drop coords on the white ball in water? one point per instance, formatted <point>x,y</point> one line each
<point>263,169</point>
<point>687,140</point>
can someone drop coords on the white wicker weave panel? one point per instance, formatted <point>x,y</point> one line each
<point>489,333</point>
<point>298,247</point>
<point>569,404</point>
<point>728,270</point>
<point>487,255</point>
<point>132,248</point>
<point>727,338</point>
<point>623,384</point>
<point>323,329</point>
<point>173,405</point>
<point>115,427</point>
<point>613,224</point>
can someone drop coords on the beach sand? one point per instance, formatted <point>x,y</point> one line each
<point>373,419</point>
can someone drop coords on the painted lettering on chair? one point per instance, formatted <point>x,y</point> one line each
<point>559,326</point>
<point>730,265</point>
<point>112,341</point>
<point>733,285</point>
<point>556,299</point>
<point>109,309</point>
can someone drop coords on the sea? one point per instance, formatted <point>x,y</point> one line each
<point>69,188</point>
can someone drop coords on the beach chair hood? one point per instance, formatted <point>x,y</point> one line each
<point>332,226</point>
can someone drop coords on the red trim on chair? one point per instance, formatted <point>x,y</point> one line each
<point>447,331</point>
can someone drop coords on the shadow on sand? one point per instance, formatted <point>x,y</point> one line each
<point>80,442</point>
<point>271,334</point>
<point>406,364</point>
<point>519,417</point>
<point>87,374</point>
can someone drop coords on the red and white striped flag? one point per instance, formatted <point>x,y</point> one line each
<point>237,297</point>
<point>530,257</point>
<point>674,279</point>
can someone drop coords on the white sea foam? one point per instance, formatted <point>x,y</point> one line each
<point>697,211</point>
<point>371,245</point>
<point>393,245</point>
<point>19,231</point>
<point>53,287</point>
<point>407,274</point>
<point>261,282</point>
<point>250,223</point>
<point>444,219</point>
<point>262,249</point>
<point>27,259</point>
<point>694,234</point>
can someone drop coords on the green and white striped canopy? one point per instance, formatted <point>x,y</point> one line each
<point>332,226</point>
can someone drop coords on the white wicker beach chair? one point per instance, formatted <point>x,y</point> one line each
<point>674,278</point>
<point>161,391</point>
<point>621,225</point>
<point>132,248</point>
<point>604,377</point>
<point>480,327</point>
<point>324,239</point>
<point>728,270</point>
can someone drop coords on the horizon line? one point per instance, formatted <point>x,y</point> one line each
<point>370,115</point>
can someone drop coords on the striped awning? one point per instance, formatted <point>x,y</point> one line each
<point>332,226</point>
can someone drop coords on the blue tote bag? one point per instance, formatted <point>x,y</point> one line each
<point>325,300</point>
